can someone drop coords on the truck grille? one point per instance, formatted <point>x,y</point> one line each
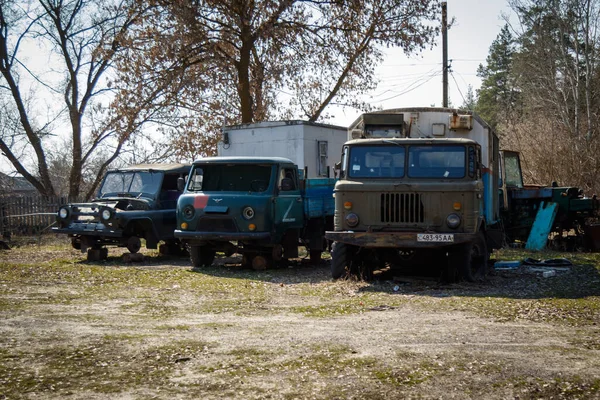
<point>402,208</point>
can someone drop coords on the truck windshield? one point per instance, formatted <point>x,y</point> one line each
<point>230,178</point>
<point>376,162</point>
<point>131,184</point>
<point>440,161</point>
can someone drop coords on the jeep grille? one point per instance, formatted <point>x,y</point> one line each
<point>402,208</point>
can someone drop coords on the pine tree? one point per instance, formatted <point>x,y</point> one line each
<point>498,97</point>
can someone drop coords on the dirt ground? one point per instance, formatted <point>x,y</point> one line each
<point>158,329</point>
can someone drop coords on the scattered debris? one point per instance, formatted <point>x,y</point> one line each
<point>503,265</point>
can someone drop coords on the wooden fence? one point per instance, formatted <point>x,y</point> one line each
<point>28,215</point>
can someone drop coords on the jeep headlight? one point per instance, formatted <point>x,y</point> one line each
<point>352,220</point>
<point>248,213</point>
<point>106,214</point>
<point>63,213</point>
<point>453,221</point>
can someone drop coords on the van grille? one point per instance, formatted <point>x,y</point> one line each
<point>402,208</point>
<point>216,225</point>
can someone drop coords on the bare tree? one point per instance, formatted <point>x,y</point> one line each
<point>242,61</point>
<point>79,39</point>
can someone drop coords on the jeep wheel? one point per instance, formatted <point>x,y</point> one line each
<point>76,243</point>
<point>134,244</point>
<point>201,256</point>
<point>342,262</point>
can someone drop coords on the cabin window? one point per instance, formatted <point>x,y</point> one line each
<point>440,162</point>
<point>322,157</point>
<point>376,161</point>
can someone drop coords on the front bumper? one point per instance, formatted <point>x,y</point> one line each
<point>221,236</point>
<point>89,230</point>
<point>402,240</point>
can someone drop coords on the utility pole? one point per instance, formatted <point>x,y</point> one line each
<point>445,54</point>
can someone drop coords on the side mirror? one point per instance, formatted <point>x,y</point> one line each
<point>180,184</point>
<point>287,184</point>
<point>337,166</point>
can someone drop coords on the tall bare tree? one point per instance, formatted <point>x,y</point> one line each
<point>76,42</point>
<point>242,61</point>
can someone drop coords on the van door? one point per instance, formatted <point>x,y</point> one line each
<point>289,205</point>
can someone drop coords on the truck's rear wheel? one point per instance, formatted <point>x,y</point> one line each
<point>201,256</point>
<point>341,259</point>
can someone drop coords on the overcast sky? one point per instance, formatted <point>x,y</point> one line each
<point>417,81</point>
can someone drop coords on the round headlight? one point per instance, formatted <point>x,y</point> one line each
<point>106,214</point>
<point>352,219</point>
<point>453,221</point>
<point>63,212</point>
<point>188,212</point>
<point>248,213</point>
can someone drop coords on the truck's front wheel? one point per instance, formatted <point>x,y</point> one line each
<point>341,259</point>
<point>479,257</point>
<point>201,256</point>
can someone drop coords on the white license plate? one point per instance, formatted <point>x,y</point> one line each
<point>435,237</point>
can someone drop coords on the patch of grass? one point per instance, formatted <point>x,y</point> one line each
<point>562,388</point>
<point>102,366</point>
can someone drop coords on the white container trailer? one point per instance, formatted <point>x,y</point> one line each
<point>311,146</point>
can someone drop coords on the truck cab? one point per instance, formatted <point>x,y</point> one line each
<point>255,206</point>
<point>413,182</point>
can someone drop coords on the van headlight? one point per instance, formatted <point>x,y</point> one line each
<point>453,221</point>
<point>248,213</point>
<point>352,220</point>
<point>188,212</point>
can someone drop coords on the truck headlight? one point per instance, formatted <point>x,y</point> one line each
<point>106,214</point>
<point>63,212</point>
<point>453,221</point>
<point>248,213</point>
<point>352,220</point>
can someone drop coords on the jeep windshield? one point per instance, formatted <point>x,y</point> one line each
<point>230,178</point>
<point>130,184</point>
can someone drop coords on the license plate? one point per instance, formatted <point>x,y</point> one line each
<point>435,237</point>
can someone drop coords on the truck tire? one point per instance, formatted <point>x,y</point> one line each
<point>479,257</point>
<point>459,264</point>
<point>341,259</point>
<point>201,256</point>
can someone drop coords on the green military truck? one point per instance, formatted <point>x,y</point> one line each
<point>416,183</point>
<point>133,203</point>
<point>260,207</point>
